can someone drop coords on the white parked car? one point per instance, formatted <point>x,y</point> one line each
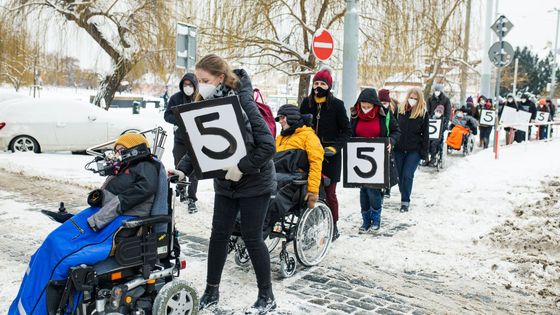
<point>41,125</point>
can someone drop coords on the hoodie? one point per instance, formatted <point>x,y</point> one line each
<point>177,99</point>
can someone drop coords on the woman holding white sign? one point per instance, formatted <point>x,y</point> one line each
<point>413,144</point>
<point>245,188</point>
<point>484,104</point>
<point>370,120</point>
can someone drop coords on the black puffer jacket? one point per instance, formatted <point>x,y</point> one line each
<point>257,167</point>
<point>131,192</point>
<point>528,106</point>
<point>177,99</point>
<point>414,134</point>
<point>442,99</point>
<point>332,126</point>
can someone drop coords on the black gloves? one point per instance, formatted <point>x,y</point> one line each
<point>95,198</point>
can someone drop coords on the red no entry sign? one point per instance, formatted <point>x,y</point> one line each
<point>323,44</point>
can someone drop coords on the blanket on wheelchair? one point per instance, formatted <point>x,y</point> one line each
<point>71,244</point>
<point>455,138</point>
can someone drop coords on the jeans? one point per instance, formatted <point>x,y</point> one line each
<point>485,133</point>
<point>543,132</point>
<point>253,212</point>
<point>179,150</point>
<point>371,202</point>
<point>407,162</point>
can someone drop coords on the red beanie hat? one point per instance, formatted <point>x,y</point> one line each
<point>384,96</point>
<point>325,76</point>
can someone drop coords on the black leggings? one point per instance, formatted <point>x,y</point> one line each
<point>252,212</point>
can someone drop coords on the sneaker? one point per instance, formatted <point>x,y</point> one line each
<point>335,234</point>
<point>191,204</point>
<point>363,230</point>
<point>404,208</point>
<point>387,193</point>
<point>182,196</point>
<point>432,162</point>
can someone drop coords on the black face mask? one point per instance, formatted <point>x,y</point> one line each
<point>320,92</point>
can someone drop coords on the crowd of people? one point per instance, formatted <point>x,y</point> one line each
<point>308,147</point>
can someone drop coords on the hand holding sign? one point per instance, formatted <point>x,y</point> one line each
<point>215,141</point>
<point>487,117</point>
<point>366,162</point>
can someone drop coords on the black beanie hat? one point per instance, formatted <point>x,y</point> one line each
<point>291,112</point>
<point>369,95</point>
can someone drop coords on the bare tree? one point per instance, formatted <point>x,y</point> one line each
<point>125,30</point>
<point>275,34</point>
<point>17,53</point>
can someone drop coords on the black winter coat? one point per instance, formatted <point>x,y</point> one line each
<point>442,99</point>
<point>414,134</point>
<point>530,107</point>
<point>177,99</point>
<point>332,126</point>
<point>259,176</point>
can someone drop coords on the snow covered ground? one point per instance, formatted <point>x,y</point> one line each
<point>468,223</point>
<point>490,227</point>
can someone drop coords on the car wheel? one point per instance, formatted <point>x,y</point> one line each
<point>24,144</point>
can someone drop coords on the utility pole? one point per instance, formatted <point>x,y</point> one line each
<point>515,76</point>
<point>554,53</point>
<point>486,69</point>
<point>350,53</point>
<point>464,68</point>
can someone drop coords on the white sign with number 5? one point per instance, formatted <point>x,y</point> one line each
<point>215,134</point>
<point>487,117</point>
<point>366,162</point>
<point>542,117</point>
<point>435,129</point>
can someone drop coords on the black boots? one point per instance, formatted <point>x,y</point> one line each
<point>210,297</point>
<point>336,234</point>
<point>265,302</point>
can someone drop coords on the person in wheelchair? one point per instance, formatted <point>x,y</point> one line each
<point>462,126</point>
<point>299,155</point>
<point>88,237</point>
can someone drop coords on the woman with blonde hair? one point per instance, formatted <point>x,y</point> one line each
<point>413,143</point>
<point>245,188</point>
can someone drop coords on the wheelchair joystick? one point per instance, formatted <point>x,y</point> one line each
<point>61,208</point>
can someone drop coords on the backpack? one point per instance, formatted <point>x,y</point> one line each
<point>265,111</point>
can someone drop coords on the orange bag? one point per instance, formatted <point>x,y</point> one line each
<point>455,138</point>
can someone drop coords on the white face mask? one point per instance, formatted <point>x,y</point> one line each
<point>206,90</point>
<point>482,103</point>
<point>523,100</point>
<point>437,114</point>
<point>366,110</point>
<point>412,102</point>
<point>510,100</point>
<point>437,93</point>
<point>189,90</point>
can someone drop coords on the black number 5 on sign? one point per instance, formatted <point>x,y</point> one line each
<point>215,134</point>
<point>366,162</point>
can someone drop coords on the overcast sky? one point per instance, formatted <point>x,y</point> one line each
<point>534,26</point>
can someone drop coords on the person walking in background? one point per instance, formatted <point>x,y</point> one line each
<point>332,126</point>
<point>390,106</point>
<point>245,188</point>
<point>526,105</point>
<point>510,102</point>
<point>439,98</point>
<point>413,143</point>
<point>370,120</point>
<point>543,130</point>
<point>188,87</point>
<point>485,131</point>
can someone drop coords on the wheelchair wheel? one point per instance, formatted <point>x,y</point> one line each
<point>313,235</point>
<point>176,297</point>
<point>442,163</point>
<point>287,264</point>
<point>271,243</point>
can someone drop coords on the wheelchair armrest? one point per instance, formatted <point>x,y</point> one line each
<point>134,223</point>
<point>299,182</point>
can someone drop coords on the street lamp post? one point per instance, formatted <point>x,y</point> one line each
<point>554,53</point>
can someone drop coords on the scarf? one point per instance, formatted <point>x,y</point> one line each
<point>370,115</point>
<point>320,100</point>
<point>292,128</point>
